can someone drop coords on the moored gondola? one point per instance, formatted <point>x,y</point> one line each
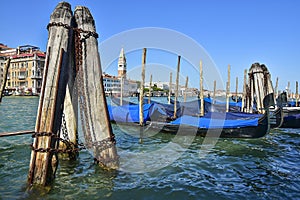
<point>225,125</point>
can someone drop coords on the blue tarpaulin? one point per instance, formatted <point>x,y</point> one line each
<point>129,113</point>
<point>202,122</point>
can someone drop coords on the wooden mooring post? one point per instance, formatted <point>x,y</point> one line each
<point>150,90</point>
<point>141,97</point>
<point>276,88</point>
<point>186,88</point>
<point>201,95</point>
<point>214,92</point>
<point>141,100</point>
<point>228,89</point>
<point>92,100</point>
<point>296,94</point>
<point>5,72</point>
<point>176,88</point>
<point>236,89</point>
<point>170,89</point>
<point>244,92</point>
<point>44,161</point>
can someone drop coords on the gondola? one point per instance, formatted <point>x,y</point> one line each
<point>211,127</point>
<point>291,117</point>
<point>214,124</point>
<point>288,116</point>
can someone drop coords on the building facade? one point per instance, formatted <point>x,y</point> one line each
<point>26,68</point>
<point>5,53</point>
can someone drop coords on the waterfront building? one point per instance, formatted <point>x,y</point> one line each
<point>5,53</point>
<point>2,63</point>
<point>26,70</point>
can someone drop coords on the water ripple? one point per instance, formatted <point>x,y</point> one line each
<point>265,168</point>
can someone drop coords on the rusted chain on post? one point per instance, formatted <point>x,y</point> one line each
<point>55,150</point>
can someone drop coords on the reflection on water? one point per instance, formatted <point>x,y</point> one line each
<point>266,168</point>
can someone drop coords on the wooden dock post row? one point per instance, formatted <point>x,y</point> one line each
<point>59,96</point>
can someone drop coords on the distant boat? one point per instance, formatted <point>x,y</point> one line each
<point>6,93</point>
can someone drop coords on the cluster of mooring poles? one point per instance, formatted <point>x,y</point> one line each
<point>259,86</point>
<point>72,76</point>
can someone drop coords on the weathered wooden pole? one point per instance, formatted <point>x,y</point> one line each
<point>228,89</point>
<point>5,72</point>
<point>288,90</point>
<point>252,93</point>
<point>150,90</point>
<point>244,96</point>
<point>95,117</point>
<point>141,97</point>
<point>69,130</point>
<point>176,88</point>
<point>43,162</point>
<point>170,88</point>
<point>201,90</point>
<point>214,92</point>
<point>276,88</point>
<point>186,88</point>
<point>296,93</point>
<point>141,103</point>
<point>236,89</point>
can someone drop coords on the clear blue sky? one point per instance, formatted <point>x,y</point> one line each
<point>235,32</point>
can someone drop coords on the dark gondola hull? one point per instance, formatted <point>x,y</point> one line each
<point>152,128</point>
<point>239,132</point>
<point>290,117</point>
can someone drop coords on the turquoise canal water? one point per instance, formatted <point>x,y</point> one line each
<point>265,168</point>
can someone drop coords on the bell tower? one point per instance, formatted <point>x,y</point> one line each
<point>122,64</point>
